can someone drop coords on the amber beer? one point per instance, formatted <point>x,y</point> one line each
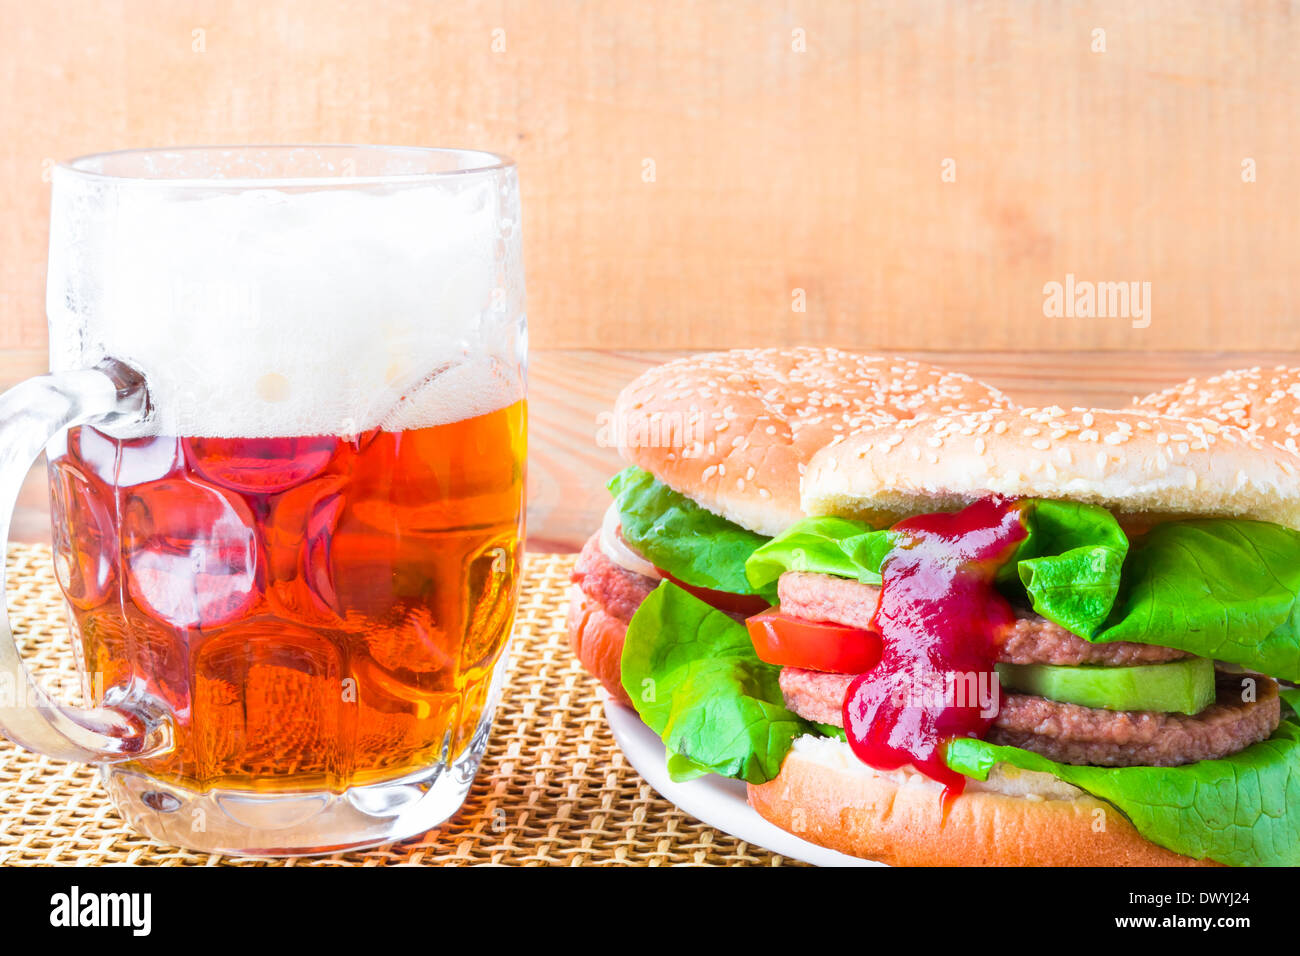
<point>315,612</point>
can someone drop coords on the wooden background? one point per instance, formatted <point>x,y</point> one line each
<point>773,169</point>
<point>690,169</point>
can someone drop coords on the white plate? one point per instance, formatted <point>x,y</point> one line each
<point>715,800</point>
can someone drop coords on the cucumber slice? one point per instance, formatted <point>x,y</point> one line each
<point>1185,687</point>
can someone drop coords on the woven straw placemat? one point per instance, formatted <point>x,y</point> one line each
<point>554,789</point>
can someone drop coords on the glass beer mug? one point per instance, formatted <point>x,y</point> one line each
<point>285,430</point>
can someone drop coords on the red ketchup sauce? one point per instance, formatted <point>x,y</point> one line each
<point>941,621</point>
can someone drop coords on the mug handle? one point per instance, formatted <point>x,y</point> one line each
<point>128,726</point>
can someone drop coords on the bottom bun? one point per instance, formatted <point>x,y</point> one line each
<point>825,795</point>
<point>596,637</point>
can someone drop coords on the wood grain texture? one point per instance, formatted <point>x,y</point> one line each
<point>775,169</point>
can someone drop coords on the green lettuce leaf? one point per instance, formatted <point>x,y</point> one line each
<point>678,536</point>
<point>694,678</point>
<point>1216,588</point>
<point>1240,810</point>
<point>838,546</point>
<point>830,730</point>
<point>682,768</point>
<point>1070,562</point>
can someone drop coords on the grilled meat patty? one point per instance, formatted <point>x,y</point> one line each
<point>1069,733</point>
<point>1033,640</point>
<point>615,589</point>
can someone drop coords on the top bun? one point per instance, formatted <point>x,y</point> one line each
<point>1133,463</point>
<point>1265,402</point>
<point>735,430</point>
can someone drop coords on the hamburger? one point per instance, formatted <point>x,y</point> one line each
<point>716,445</point>
<point>996,636</point>
<point>1135,611</point>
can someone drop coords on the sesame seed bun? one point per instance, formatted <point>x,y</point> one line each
<point>734,430</point>
<point>1135,464</point>
<point>1265,402</point>
<point>826,796</point>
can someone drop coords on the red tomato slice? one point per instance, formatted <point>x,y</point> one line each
<point>742,604</point>
<point>816,645</point>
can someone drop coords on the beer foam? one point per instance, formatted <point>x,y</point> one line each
<point>293,311</point>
